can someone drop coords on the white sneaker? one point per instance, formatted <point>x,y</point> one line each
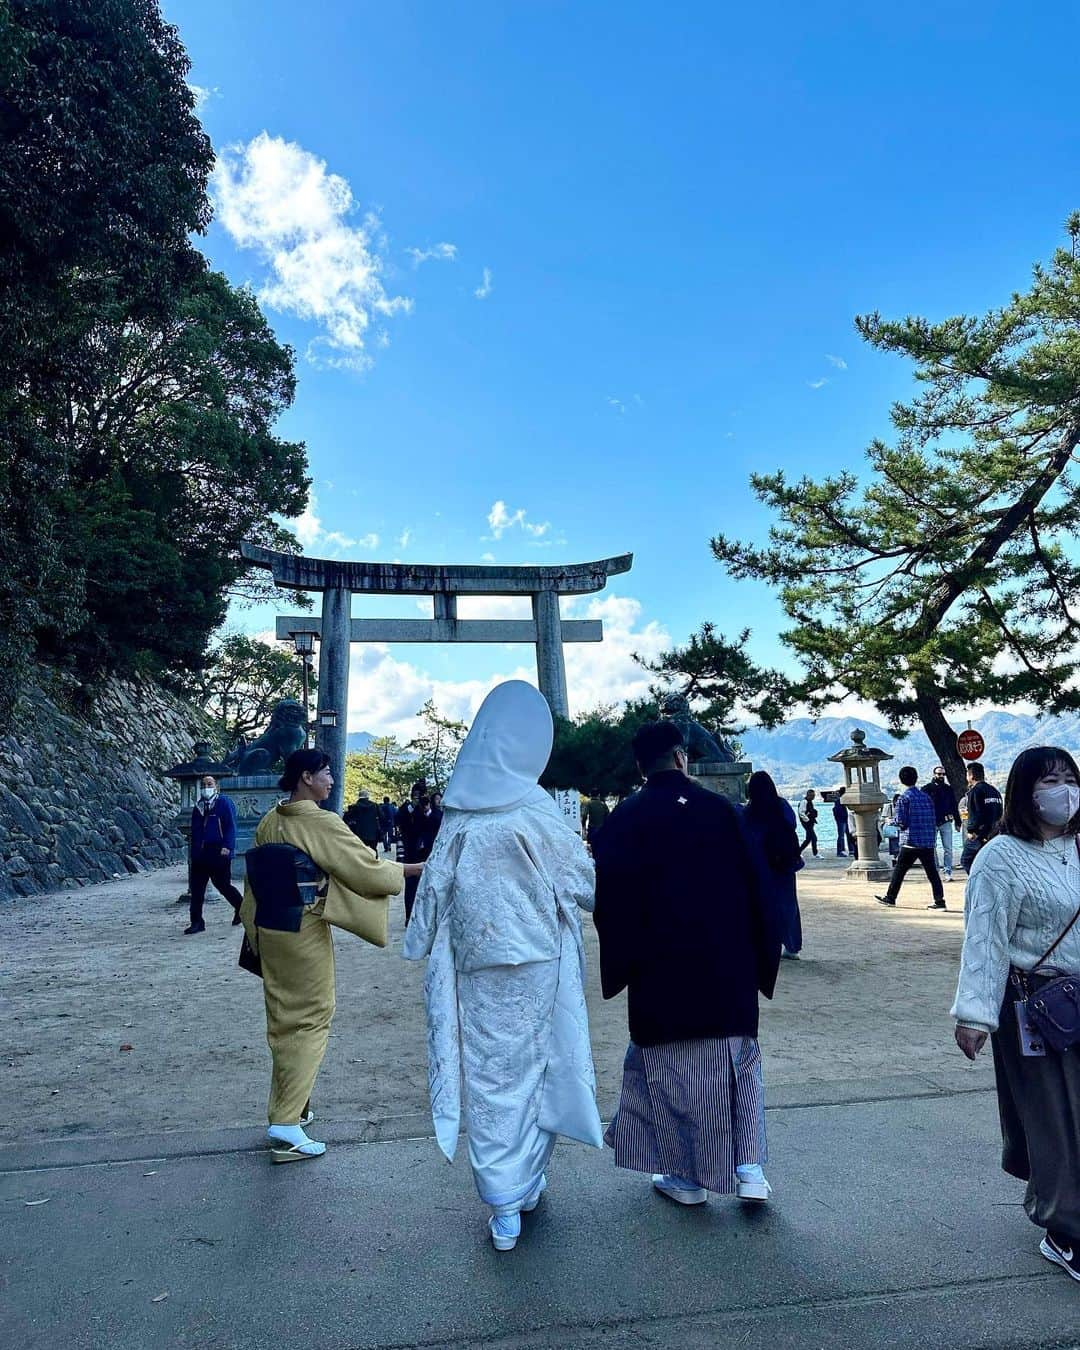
<point>750,1183</point>
<point>505,1231</point>
<point>678,1190</point>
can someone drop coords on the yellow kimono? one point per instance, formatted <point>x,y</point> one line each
<point>298,968</point>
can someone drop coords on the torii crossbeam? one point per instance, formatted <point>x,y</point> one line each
<point>547,630</point>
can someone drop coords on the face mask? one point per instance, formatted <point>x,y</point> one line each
<point>1057,805</point>
<point>206,793</point>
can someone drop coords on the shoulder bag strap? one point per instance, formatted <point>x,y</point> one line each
<point>1068,927</point>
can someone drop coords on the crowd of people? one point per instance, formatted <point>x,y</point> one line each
<point>496,913</point>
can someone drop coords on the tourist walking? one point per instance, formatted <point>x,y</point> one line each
<point>213,843</point>
<point>290,899</point>
<point>497,917</point>
<point>594,815</point>
<point>843,834</point>
<point>914,816</point>
<point>686,932</point>
<point>1021,932</point>
<point>387,823</point>
<point>984,808</point>
<point>363,819</point>
<point>410,847</point>
<point>888,829</point>
<point>770,826</point>
<point>946,816</point>
<point>808,814</point>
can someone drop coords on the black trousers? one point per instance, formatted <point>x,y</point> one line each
<point>810,840</point>
<point>908,858</point>
<point>219,873</point>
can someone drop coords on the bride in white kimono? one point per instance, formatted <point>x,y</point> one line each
<point>497,917</point>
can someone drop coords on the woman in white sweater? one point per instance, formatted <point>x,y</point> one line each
<point>1022,895</point>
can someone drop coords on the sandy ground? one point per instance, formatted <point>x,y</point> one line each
<point>85,974</point>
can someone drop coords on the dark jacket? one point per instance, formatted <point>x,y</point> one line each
<point>363,819</point>
<point>774,847</point>
<point>410,840</point>
<point>213,831</point>
<point>946,807</point>
<point>984,809</point>
<point>685,930</point>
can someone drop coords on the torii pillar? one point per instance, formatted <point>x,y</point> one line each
<point>547,630</point>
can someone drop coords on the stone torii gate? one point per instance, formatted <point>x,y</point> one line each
<point>338,581</point>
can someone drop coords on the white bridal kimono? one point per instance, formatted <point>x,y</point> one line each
<point>497,917</point>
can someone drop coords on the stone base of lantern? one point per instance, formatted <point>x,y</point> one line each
<point>873,869</point>
<point>868,866</point>
<point>717,775</point>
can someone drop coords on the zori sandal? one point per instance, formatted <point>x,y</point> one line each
<point>282,1152</point>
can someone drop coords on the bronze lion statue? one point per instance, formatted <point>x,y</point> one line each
<point>266,753</point>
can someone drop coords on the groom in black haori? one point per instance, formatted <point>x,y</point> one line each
<point>687,933</point>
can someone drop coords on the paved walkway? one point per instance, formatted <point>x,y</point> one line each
<point>84,973</point>
<point>139,1209</point>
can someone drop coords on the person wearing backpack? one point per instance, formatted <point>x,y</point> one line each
<point>984,809</point>
<point>808,814</point>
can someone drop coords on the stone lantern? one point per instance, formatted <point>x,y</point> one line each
<point>188,775</point>
<point>864,797</point>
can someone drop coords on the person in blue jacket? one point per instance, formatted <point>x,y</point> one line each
<point>213,843</point>
<point>769,823</point>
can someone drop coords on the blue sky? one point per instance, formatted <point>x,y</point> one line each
<point>651,228</point>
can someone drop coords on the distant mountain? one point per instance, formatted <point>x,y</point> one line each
<point>796,754</point>
<point>358,740</point>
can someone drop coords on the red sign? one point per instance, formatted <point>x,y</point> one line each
<point>970,745</point>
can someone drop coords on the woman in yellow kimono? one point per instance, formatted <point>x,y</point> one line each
<point>298,967</point>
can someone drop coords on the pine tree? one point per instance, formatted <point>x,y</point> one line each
<point>946,574</point>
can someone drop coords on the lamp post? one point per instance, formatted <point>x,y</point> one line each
<point>304,646</point>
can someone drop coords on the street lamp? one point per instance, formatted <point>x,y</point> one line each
<point>328,717</point>
<point>304,647</point>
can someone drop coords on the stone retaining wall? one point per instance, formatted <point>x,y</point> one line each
<point>82,798</point>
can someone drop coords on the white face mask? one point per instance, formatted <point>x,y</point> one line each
<point>1057,805</point>
<point>207,792</point>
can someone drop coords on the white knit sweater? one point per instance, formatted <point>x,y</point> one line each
<point>1019,898</point>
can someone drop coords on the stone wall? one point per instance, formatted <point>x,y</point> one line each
<point>82,797</point>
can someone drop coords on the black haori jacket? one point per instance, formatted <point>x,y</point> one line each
<point>683,924</point>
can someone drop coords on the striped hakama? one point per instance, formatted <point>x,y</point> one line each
<point>691,1109</point>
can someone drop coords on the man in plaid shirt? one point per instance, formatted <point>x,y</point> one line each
<point>917,820</point>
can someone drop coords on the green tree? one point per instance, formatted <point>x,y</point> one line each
<point>103,169</point>
<point>385,768</point>
<point>437,746</point>
<point>242,681</point>
<point>172,462</point>
<point>138,390</point>
<point>723,683</point>
<point>947,575</point>
<point>593,752</point>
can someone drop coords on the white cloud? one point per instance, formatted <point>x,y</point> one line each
<point>311,535</point>
<point>598,674</point>
<point>437,253</point>
<point>279,200</point>
<point>816,384</point>
<point>403,538</point>
<point>385,693</point>
<point>203,94</point>
<point>486,285</point>
<point>837,361</point>
<point>500,519</point>
<point>487,557</point>
<point>617,404</point>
